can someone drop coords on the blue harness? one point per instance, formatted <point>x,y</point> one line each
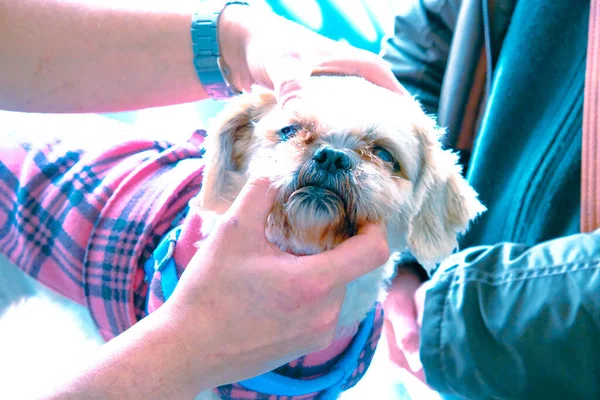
<point>329,384</point>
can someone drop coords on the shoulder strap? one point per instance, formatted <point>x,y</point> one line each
<point>590,174</point>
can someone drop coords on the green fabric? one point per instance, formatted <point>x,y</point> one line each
<point>522,321</point>
<point>516,314</point>
<point>512,322</point>
<point>527,157</point>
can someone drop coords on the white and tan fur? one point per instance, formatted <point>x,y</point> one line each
<point>425,203</point>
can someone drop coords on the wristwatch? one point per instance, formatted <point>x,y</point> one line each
<point>212,72</point>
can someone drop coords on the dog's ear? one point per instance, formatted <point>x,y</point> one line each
<point>444,205</point>
<point>228,146</point>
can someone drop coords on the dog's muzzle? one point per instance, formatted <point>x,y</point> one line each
<point>318,202</point>
<point>324,188</point>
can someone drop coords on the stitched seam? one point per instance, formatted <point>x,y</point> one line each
<point>512,276</point>
<point>443,355</point>
<point>546,167</point>
<point>454,276</point>
<point>554,266</point>
<point>532,183</point>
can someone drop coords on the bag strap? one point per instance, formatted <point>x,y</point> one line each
<point>590,157</point>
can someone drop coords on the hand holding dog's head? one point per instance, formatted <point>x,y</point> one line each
<point>348,153</point>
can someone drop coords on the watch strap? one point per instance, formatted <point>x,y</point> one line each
<point>207,56</point>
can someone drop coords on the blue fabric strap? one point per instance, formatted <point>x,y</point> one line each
<point>273,383</point>
<point>162,260</point>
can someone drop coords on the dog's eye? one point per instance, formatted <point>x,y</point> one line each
<point>387,157</point>
<point>288,131</point>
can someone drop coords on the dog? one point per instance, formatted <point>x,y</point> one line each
<point>346,154</point>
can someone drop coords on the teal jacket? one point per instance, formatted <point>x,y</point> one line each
<point>516,313</point>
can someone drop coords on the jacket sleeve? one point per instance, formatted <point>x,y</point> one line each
<point>510,321</point>
<point>419,47</point>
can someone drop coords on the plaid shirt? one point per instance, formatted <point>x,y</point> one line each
<point>82,218</point>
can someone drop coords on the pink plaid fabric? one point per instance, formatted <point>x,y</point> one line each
<point>82,219</point>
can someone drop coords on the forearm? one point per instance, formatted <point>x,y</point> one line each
<point>509,321</point>
<point>95,56</point>
<point>151,360</point>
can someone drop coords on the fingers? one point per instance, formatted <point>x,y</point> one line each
<point>364,64</point>
<point>285,67</point>
<point>401,312</point>
<point>255,202</point>
<point>288,72</point>
<point>355,257</point>
<point>288,85</point>
<point>396,355</point>
<point>419,298</point>
<point>405,360</point>
<point>291,66</point>
<point>288,91</point>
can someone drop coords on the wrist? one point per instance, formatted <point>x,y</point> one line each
<point>205,355</point>
<point>150,359</point>
<point>211,68</point>
<point>234,30</point>
<point>189,334</point>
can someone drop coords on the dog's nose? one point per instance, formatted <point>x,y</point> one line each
<point>331,160</point>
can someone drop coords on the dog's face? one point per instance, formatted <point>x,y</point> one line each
<point>348,153</point>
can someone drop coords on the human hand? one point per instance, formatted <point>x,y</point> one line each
<point>403,315</point>
<point>260,47</point>
<point>256,307</point>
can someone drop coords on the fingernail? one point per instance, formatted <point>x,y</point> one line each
<point>289,90</point>
<point>285,101</point>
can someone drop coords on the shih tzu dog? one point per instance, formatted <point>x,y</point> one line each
<point>348,153</point>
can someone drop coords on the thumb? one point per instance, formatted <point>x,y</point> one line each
<point>288,72</point>
<point>353,258</point>
<point>255,201</point>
